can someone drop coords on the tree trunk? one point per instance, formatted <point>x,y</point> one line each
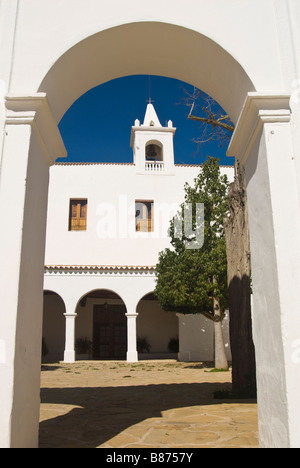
<point>239,273</point>
<point>220,354</point>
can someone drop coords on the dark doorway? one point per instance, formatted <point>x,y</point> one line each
<point>109,331</point>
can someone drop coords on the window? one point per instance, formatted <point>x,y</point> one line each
<point>78,215</point>
<point>144,216</point>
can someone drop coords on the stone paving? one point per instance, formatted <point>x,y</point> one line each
<point>150,404</point>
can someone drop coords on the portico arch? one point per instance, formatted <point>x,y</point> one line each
<point>156,327</point>
<point>53,325</point>
<point>101,318</point>
<point>264,141</point>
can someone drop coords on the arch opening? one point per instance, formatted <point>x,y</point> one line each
<point>157,330</point>
<point>101,326</point>
<point>53,327</point>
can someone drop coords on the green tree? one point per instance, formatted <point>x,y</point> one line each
<point>192,277</point>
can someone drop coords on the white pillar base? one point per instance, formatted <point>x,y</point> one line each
<point>69,357</point>
<point>69,354</point>
<point>132,354</point>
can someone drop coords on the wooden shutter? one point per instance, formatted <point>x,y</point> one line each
<point>78,215</point>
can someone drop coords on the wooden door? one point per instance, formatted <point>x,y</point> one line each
<point>109,332</point>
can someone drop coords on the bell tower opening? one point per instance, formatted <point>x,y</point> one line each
<point>152,145</point>
<point>154,160</point>
<point>154,152</point>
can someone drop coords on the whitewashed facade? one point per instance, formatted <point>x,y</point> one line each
<point>115,250</point>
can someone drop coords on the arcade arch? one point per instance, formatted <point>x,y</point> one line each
<point>54,325</point>
<point>101,321</point>
<point>155,326</point>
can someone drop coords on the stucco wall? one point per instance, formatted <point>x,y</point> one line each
<point>196,338</point>
<point>111,191</point>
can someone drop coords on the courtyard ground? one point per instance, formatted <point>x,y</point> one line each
<point>150,404</point>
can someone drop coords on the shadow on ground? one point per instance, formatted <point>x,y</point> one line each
<point>102,413</point>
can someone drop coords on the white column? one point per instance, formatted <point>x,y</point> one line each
<point>24,175</point>
<point>263,141</point>
<point>132,354</point>
<point>70,354</point>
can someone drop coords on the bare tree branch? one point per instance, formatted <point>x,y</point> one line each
<point>215,123</point>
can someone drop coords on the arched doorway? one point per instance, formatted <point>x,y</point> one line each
<point>102,322</point>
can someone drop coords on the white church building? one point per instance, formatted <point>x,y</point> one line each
<point>106,224</point>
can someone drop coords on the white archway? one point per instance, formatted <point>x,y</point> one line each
<point>101,318</point>
<point>264,140</point>
<point>155,326</point>
<point>173,51</point>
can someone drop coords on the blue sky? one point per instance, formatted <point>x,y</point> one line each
<point>97,126</point>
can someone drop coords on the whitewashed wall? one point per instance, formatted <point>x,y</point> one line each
<point>111,191</point>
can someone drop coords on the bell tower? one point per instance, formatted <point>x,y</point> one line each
<point>152,145</point>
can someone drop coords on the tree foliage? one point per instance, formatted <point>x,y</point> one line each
<point>190,280</point>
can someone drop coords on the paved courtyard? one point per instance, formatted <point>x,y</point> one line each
<point>151,404</point>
